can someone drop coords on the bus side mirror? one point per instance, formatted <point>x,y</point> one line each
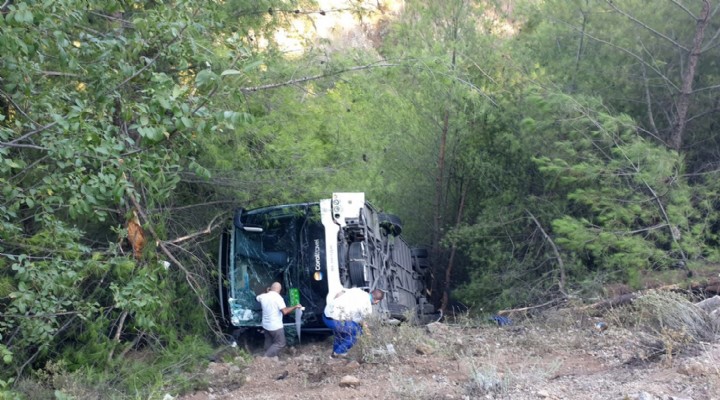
<point>237,218</point>
<point>237,221</point>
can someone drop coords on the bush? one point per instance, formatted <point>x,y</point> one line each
<point>392,342</point>
<point>668,323</point>
<point>147,374</point>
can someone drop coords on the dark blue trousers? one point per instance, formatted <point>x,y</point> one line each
<point>346,334</point>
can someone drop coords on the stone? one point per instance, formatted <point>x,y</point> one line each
<point>304,358</point>
<point>351,366</point>
<point>646,396</point>
<point>693,369</point>
<point>436,328</point>
<point>710,304</point>
<point>349,381</point>
<point>715,318</point>
<point>424,349</point>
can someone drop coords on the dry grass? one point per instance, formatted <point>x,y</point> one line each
<point>385,343</point>
<point>714,363</point>
<point>673,312</point>
<point>555,355</point>
<point>487,380</point>
<point>665,324</point>
<point>411,389</point>
<point>494,361</point>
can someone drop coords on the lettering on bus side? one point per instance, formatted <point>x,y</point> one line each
<point>317,255</point>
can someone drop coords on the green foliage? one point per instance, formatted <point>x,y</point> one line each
<point>633,277</point>
<point>630,207</point>
<point>614,205</point>
<point>632,56</point>
<point>102,107</point>
<point>150,373</point>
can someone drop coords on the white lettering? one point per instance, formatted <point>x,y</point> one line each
<point>331,239</point>
<point>317,255</point>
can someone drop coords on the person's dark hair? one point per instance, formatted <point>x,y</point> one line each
<point>378,294</point>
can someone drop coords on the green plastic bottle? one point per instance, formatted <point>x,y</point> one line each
<point>294,296</point>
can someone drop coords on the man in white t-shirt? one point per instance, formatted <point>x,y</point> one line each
<point>273,310</point>
<point>344,314</point>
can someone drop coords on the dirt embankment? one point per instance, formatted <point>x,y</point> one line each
<point>556,356</point>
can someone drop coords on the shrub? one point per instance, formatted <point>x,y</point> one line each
<point>668,323</point>
<point>391,342</point>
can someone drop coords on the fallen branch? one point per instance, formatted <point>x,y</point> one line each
<point>189,278</point>
<point>524,309</point>
<point>211,227</point>
<point>132,345</point>
<point>40,349</point>
<point>621,300</point>
<point>711,287</point>
<point>561,265</point>
<point>118,332</point>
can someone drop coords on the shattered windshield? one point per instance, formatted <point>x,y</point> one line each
<point>268,247</point>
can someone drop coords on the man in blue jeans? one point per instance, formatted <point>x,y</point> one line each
<point>344,314</point>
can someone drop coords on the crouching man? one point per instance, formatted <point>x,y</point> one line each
<point>344,315</point>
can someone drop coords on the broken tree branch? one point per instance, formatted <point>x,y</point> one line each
<point>211,227</point>
<point>524,309</point>
<point>189,278</point>
<point>561,265</point>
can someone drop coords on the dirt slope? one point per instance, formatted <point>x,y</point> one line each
<point>554,358</point>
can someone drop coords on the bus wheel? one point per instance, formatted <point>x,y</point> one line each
<point>356,264</point>
<point>391,223</point>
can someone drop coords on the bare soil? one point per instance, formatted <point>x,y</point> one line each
<point>553,357</point>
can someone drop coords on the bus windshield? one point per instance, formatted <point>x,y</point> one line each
<point>268,247</point>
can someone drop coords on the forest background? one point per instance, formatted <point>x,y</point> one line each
<point>542,150</point>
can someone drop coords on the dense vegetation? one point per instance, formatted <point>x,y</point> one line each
<point>540,149</point>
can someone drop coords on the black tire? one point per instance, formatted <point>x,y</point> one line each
<point>355,251</point>
<point>420,252</point>
<point>428,309</point>
<point>391,223</point>
<point>398,311</point>
<point>356,264</point>
<point>421,260</point>
<point>357,273</point>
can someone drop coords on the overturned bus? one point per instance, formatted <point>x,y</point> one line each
<point>314,250</point>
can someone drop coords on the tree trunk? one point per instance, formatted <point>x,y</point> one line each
<point>687,80</point>
<point>581,48</point>
<point>439,200</point>
<point>439,207</point>
<point>448,270</point>
<point>439,185</point>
